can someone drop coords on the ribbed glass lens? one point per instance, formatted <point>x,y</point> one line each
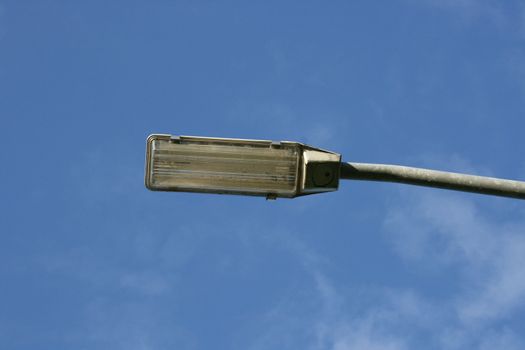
<point>222,167</point>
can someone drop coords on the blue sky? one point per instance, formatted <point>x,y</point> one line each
<point>89,259</point>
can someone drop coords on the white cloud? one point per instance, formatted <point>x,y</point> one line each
<point>441,228</point>
<point>503,289</point>
<point>323,321</point>
<point>437,229</point>
<point>489,255</point>
<point>433,231</point>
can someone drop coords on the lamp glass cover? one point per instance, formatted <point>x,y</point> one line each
<point>222,166</point>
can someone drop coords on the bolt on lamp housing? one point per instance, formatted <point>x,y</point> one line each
<point>238,166</point>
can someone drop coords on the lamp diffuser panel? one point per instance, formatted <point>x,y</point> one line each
<point>234,166</point>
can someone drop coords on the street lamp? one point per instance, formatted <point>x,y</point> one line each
<point>284,169</point>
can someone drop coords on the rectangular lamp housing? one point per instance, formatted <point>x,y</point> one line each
<point>229,166</point>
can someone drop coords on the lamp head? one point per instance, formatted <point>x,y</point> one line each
<point>239,166</point>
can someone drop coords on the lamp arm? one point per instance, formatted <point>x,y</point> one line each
<point>433,178</point>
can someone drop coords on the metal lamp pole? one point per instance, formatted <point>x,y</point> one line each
<point>433,178</point>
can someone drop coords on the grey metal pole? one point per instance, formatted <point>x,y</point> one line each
<point>433,178</point>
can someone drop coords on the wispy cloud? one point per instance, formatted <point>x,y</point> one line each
<point>445,230</point>
<point>432,232</point>
<point>323,317</point>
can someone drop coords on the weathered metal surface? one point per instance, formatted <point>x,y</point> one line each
<point>433,178</point>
